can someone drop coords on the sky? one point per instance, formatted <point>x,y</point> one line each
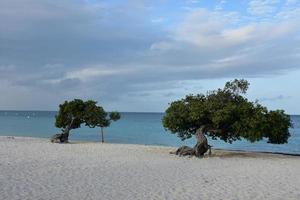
<point>140,55</point>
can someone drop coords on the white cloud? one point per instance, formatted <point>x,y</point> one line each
<point>212,45</point>
<point>220,5</point>
<point>287,13</point>
<point>262,7</point>
<point>291,2</point>
<point>192,1</point>
<point>162,46</point>
<point>212,30</point>
<point>239,35</point>
<point>158,20</point>
<point>200,27</point>
<point>88,74</point>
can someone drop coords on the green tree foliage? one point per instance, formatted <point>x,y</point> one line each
<point>113,116</point>
<point>228,115</point>
<point>102,119</point>
<point>72,114</point>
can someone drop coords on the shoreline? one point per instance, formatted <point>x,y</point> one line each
<point>219,151</point>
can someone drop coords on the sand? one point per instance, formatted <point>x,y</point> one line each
<point>32,168</point>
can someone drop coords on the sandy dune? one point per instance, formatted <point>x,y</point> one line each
<point>36,169</point>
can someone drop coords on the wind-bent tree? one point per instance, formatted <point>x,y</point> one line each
<point>73,114</point>
<point>224,114</point>
<point>70,116</point>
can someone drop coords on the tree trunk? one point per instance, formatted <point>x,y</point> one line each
<point>185,151</point>
<point>102,135</point>
<point>202,145</point>
<point>199,149</point>
<point>64,136</point>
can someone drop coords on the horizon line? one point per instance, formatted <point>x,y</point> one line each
<point>107,111</point>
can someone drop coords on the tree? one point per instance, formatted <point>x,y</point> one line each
<point>113,116</point>
<point>73,114</point>
<point>70,116</point>
<point>100,118</point>
<point>224,114</point>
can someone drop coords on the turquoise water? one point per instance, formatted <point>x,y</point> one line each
<point>133,128</point>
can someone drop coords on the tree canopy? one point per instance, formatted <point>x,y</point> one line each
<point>72,114</point>
<point>228,115</point>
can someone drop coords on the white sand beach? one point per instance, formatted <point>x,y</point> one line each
<point>33,168</point>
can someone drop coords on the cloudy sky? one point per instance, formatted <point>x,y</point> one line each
<point>140,55</point>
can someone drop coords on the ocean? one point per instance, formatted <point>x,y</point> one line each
<point>132,128</point>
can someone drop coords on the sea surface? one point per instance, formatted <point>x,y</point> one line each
<point>132,128</point>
